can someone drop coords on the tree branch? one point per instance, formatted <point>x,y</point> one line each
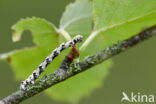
<point>68,69</point>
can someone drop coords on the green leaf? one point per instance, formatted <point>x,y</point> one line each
<point>117,20</point>
<point>26,60</point>
<point>113,12</point>
<point>77,18</point>
<point>127,30</point>
<point>38,27</point>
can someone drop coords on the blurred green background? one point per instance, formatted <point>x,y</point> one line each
<point>133,70</point>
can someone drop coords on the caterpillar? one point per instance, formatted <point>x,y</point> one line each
<point>31,79</point>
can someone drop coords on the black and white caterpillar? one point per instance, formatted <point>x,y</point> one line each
<point>31,79</point>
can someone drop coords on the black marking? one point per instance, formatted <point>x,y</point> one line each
<point>47,62</point>
<point>35,76</point>
<point>71,43</point>
<point>27,82</point>
<point>74,40</point>
<point>55,54</point>
<point>40,67</point>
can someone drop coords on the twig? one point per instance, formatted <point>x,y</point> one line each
<point>68,70</point>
